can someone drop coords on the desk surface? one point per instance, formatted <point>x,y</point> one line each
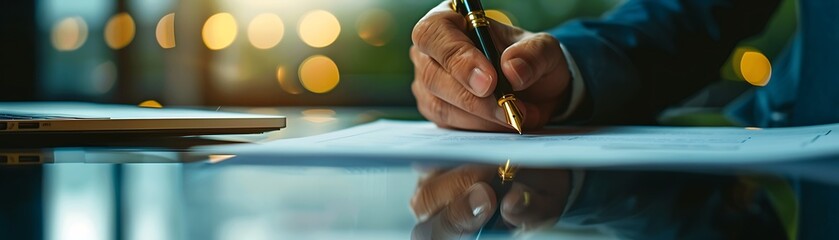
<point>155,191</point>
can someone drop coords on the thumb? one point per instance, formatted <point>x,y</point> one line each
<point>528,60</point>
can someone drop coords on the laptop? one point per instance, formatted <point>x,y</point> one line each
<point>73,118</point>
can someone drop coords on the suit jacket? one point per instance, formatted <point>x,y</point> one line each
<point>648,55</point>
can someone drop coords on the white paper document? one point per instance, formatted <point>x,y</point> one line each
<point>417,141</point>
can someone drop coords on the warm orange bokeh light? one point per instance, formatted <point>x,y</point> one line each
<point>755,68</point>
<point>265,31</point>
<point>319,28</point>
<point>150,104</point>
<point>69,34</point>
<point>285,84</point>
<point>165,31</point>
<point>219,31</point>
<point>319,74</point>
<point>499,16</point>
<point>120,30</point>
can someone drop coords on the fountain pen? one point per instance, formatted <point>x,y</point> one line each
<point>495,226</point>
<point>479,32</point>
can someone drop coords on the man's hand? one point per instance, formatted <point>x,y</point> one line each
<point>454,82</point>
<point>450,204</point>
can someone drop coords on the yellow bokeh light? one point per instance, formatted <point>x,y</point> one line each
<point>499,16</point>
<point>265,31</point>
<point>319,28</point>
<point>150,104</point>
<point>319,74</point>
<point>219,31</point>
<point>755,68</point>
<point>165,31</point>
<point>69,34</point>
<point>285,84</point>
<point>119,32</point>
<point>375,27</point>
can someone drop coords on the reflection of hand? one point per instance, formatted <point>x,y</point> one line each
<point>454,82</point>
<point>453,203</point>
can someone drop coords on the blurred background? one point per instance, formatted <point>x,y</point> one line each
<point>243,53</point>
<point>252,52</point>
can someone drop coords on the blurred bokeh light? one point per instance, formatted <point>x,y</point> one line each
<point>69,34</point>
<point>375,27</point>
<point>319,115</point>
<point>319,28</point>
<point>150,104</point>
<point>288,52</point>
<point>104,77</point>
<point>265,30</point>
<point>319,74</point>
<point>499,16</point>
<point>756,68</point>
<point>285,84</point>
<point>165,31</point>
<point>120,30</point>
<point>219,31</point>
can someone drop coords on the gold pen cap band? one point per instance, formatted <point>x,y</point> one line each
<point>478,18</point>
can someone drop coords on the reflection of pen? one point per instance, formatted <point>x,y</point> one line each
<point>501,187</point>
<point>478,23</point>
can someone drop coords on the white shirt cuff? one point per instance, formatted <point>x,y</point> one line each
<point>577,178</point>
<point>578,87</point>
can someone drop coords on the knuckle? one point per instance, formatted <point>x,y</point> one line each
<point>417,91</point>
<point>547,44</point>
<point>456,56</point>
<point>421,30</point>
<point>468,102</point>
<point>439,110</point>
<point>426,29</point>
<point>430,79</point>
<point>428,71</point>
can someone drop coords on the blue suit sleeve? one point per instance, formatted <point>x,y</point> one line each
<point>647,55</point>
<point>662,205</point>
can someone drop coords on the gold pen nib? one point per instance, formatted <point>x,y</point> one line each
<point>506,172</point>
<point>511,111</point>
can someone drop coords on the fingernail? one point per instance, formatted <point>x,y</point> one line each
<point>479,82</point>
<point>521,203</point>
<point>478,201</point>
<point>521,69</point>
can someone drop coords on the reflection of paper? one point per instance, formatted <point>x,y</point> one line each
<point>572,146</point>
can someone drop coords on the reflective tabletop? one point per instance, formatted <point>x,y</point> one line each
<point>160,189</point>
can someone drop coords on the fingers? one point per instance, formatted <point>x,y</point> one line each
<point>530,59</point>
<point>436,192</point>
<point>537,198</point>
<point>432,79</point>
<point>528,209</point>
<point>462,217</point>
<point>440,35</point>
